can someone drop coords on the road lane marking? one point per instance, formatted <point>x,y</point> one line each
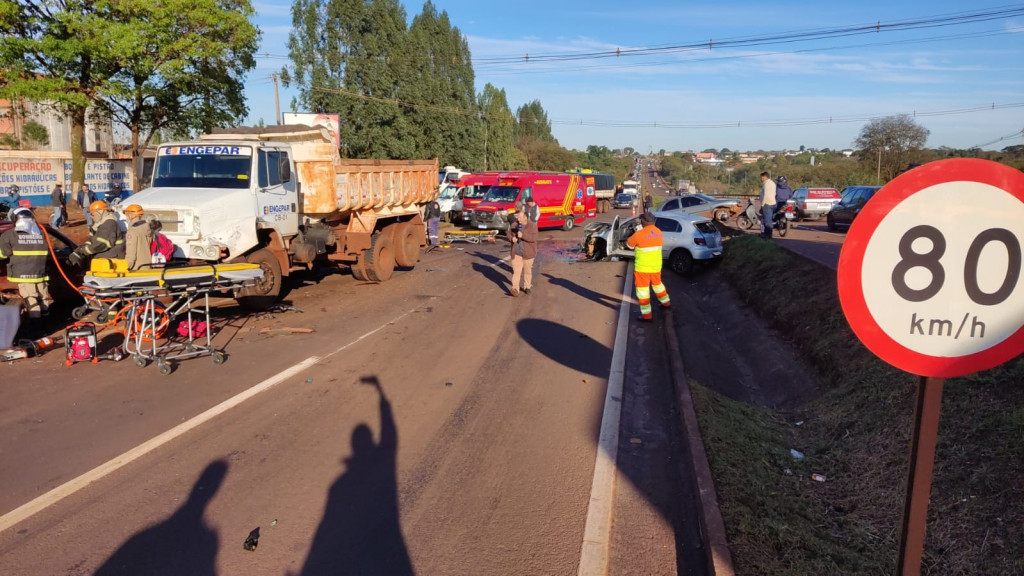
<point>597,533</point>
<point>70,487</point>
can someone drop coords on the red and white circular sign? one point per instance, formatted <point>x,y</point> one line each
<point>930,273</point>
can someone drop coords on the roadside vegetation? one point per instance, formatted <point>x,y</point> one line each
<point>857,435</point>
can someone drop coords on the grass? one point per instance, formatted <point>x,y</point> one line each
<point>858,435</point>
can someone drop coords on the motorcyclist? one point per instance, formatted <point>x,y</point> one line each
<point>782,193</point>
<point>10,201</point>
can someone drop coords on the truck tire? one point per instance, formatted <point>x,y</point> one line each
<point>380,258</point>
<point>359,268</point>
<point>407,244</point>
<point>265,292</point>
<point>569,223</point>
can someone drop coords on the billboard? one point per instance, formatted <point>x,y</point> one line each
<point>329,121</point>
<point>36,173</point>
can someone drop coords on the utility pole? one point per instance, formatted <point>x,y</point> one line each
<point>277,100</point>
<point>878,174</point>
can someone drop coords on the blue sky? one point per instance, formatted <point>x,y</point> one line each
<point>794,87</point>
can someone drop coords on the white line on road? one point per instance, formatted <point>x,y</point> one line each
<point>70,487</point>
<point>597,533</point>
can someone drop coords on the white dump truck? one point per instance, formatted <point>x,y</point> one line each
<point>281,197</point>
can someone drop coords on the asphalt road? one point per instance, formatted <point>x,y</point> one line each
<point>431,424</point>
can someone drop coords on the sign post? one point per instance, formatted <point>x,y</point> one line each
<point>930,281</point>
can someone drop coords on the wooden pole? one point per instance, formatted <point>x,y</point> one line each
<point>919,480</point>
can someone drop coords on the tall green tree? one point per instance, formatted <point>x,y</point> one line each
<point>532,121</point>
<point>890,143</point>
<point>323,33</point>
<point>180,74</point>
<point>440,91</point>
<point>500,152</point>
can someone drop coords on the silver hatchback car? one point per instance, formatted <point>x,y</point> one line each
<point>689,240</point>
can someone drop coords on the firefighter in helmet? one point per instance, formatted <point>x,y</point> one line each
<point>106,239</point>
<point>25,247</point>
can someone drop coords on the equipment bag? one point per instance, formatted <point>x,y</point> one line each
<point>80,343</point>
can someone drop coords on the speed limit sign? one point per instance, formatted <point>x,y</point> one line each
<point>930,271</point>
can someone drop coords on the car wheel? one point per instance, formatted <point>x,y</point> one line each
<point>722,216</point>
<point>569,223</point>
<point>681,262</point>
<point>831,222</point>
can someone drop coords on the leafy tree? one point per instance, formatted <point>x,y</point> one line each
<point>500,152</point>
<point>532,121</point>
<point>890,143</point>
<point>545,154</point>
<point>184,75</point>
<point>443,113</point>
<point>317,47</point>
<point>36,133</point>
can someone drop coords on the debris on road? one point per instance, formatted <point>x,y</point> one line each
<point>284,330</point>
<point>636,441</point>
<point>448,384</point>
<point>253,540</point>
<point>797,455</point>
<point>817,477</point>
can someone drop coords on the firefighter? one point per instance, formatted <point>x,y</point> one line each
<point>106,239</point>
<point>137,238</point>
<point>647,243</point>
<point>25,246</point>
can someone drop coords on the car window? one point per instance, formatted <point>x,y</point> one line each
<point>667,225</point>
<point>849,197</point>
<point>800,194</point>
<point>690,201</point>
<point>670,205</point>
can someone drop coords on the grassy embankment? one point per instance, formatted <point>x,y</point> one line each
<point>857,434</point>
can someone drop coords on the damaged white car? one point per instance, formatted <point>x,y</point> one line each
<point>689,240</point>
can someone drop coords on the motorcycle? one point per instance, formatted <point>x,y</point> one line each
<point>751,216</point>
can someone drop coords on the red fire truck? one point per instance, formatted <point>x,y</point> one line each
<point>564,199</point>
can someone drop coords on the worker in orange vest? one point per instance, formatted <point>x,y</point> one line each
<point>647,243</point>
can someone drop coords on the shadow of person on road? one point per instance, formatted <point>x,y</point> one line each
<point>492,274</point>
<point>181,544</point>
<point>587,293</point>
<point>360,531</point>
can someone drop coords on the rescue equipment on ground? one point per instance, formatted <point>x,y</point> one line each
<point>80,343</point>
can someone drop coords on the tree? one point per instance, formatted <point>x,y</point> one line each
<point>76,53</point>
<point>890,143</point>
<point>318,44</point>
<point>439,88</point>
<point>183,75</point>
<point>545,155</point>
<point>532,120</point>
<point>500,152</point>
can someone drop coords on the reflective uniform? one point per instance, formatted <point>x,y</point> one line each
<point>27,252</point>
<point>647,243</point>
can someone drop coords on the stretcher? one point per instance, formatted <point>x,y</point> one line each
<point>143,297</point>
<point>471,236</point>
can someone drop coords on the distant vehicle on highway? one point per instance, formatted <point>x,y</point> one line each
<point>624,200</point>
<point>689,240</point>
<point>813,203</point>
<point>853,201</point>
<point>721,209</point>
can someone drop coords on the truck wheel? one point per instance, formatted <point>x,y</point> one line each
<point>569,223</point>
<point>265,292</point>
<point>407,249</point>
<point>380,258</point>
<point>359,268</point>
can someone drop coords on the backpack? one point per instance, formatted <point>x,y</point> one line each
<point>162,249</point>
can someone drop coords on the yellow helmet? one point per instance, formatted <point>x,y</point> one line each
<point>98,205</point>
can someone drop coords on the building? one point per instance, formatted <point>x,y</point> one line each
<point>14,114</point>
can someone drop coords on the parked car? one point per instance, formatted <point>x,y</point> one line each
<point>624,200</point>
<point>853,201</point>
<point>59,289</point>
<point>721,209</point>
<point>689,239</point>
<point>813,203</point>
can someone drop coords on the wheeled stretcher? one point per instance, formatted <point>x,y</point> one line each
<point>471,236</point>
<point>142,296</point>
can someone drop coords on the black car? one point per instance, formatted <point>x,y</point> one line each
<point>623,200</point>
<point>853,201</point>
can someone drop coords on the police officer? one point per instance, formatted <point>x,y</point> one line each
<point>26,248</point>
<point>106,240</point>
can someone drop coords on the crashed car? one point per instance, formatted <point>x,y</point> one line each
<point>721,209</point>
<point>689,240</point>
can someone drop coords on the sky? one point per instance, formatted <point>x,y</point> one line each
<point>964,82</point>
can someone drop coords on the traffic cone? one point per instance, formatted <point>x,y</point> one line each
<point>634,209</point>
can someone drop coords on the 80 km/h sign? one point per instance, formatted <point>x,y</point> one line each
<point>930,272</point>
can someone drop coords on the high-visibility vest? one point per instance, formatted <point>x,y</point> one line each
<point>647,243</point>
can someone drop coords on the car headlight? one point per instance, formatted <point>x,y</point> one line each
<point>502,212</point>
<point>212,252</point>
<point>197,251</point>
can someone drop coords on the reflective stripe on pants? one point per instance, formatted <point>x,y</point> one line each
<point>644,282</point>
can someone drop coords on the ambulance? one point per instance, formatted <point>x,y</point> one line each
<point>472,189</point>
<point>565,200</point>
